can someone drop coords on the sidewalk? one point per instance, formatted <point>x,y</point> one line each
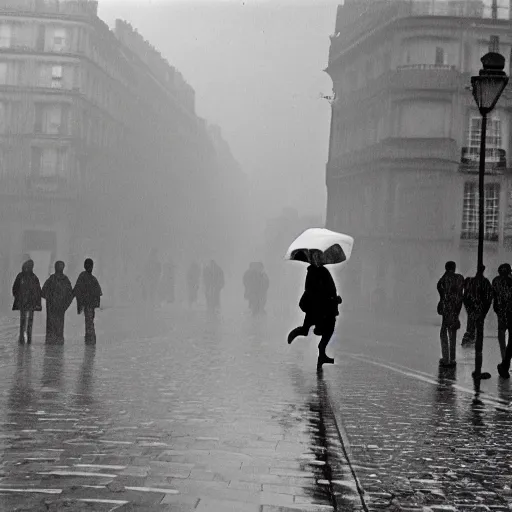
<point>183,413</point>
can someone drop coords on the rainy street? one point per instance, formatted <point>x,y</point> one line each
<point>180,410</point>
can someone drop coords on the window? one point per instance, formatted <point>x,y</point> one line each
<point>48,162</point>
<point>59,40</point>
<point>493,139</point>
<point>440,56</point>
<point>5,36</point>
<point>35,161</point>
<point>3,73</point>
<point>57,74</point>
<point>494,44</point>
<point>491,211</point>
<point>53,118</point>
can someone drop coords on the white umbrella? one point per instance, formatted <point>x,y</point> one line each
<point>334,248</point>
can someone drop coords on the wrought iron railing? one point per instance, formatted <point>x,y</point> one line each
<point>426,66</point>
<point>495,158</point>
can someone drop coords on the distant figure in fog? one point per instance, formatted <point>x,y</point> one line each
<point>213,282</point>
<point>256,285</point>
<point>88,293</point>
<point>193,278</point>
<point>320,302</point>
<point>502,298</point>
<point>451,290</point>
<point>478,294</point>
<point>152,274</point>
<point>27,299</point>
<point>168,283</point>
<point>58,292</point>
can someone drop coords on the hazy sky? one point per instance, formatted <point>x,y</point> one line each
<point>257,68</point>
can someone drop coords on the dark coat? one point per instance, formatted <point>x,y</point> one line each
<point>320,298</point>
<point>502,295</point>
<point>478,295</point>
<point>87,291</point>
<point>451,292</point>
<point>58,292</point>
<point>27,292</point>
<point>255,283</point>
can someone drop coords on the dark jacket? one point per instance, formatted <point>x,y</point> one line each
<point>27,292</point>
<point>502,294</point>
<point>256,283</point>
<point>451,292</point>
<point>58,292</point>
<point>478,295</point>
<point>320,298</point>
<point>87,291</point>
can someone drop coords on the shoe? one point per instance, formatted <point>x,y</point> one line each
<point>323,360</point>
<point>481,376</point>
<point>293,334</point>
<point>504,374</point>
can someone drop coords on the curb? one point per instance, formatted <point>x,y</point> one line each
<point>345,486</point>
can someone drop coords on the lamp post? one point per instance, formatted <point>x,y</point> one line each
<point>487,88</point>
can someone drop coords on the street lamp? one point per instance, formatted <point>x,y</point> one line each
<point>487,88</point>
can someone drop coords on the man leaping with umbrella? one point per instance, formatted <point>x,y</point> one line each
<point>320,303</point>
<point>320,300</point>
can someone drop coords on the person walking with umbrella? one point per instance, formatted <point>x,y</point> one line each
<point>320,303</point>
<point>27,299</point>
<point>450,288</point>
<point>58,292</point>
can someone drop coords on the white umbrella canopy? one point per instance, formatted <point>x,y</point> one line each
<point>334,248</point>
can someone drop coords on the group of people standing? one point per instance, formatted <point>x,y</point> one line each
<point>59,294</point>
<point>476,294</point>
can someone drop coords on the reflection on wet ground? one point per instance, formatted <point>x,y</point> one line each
<point>205,417</point>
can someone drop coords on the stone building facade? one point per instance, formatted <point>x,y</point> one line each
<point>102,152</point>
<point>404,147</point>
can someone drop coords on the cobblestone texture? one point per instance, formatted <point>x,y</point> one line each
<point>420,443</point>
<point>169,413</point>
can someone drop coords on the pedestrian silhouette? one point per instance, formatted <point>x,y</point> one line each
<point>478,294</point>
<point>502,287</point>
<point>502,296</point>
<point>451,289</point>
<point>58,293</point>
<point>88,293</point>
<point>27,299</point>
<point>256,285</point>
<point>213,281</point>
<point>193,278</point>
<point>320,303</point>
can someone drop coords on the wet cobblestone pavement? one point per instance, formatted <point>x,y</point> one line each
<point>418,440</point>
<point>170,412</point>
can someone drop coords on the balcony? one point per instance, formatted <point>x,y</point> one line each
<point>396,150</point>
<point>495,160</point>
<point>55,187</point>
<point>351,26</point>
